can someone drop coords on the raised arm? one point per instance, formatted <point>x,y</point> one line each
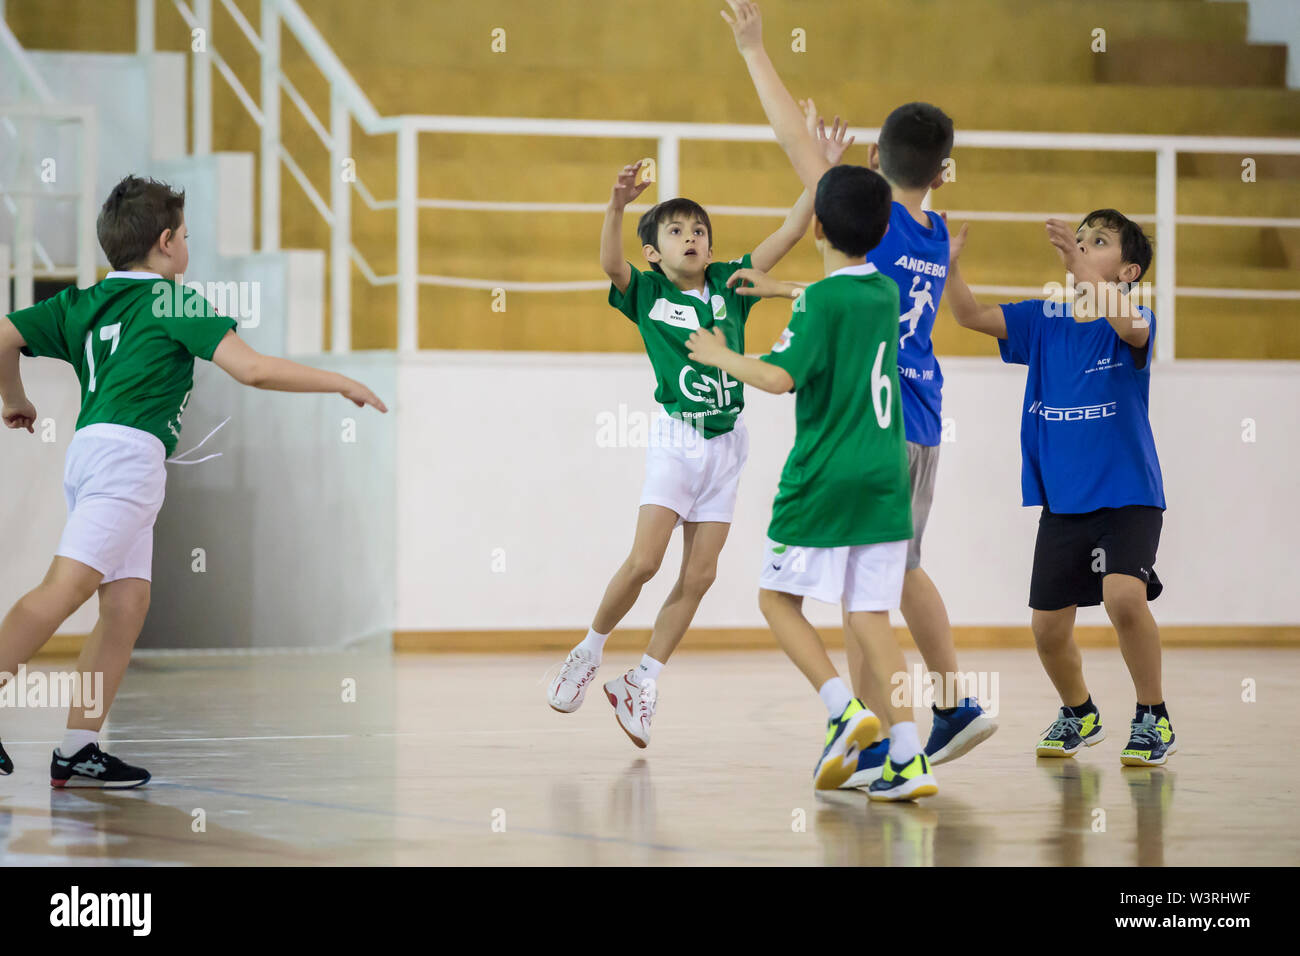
<point>968,312</point>
<point>709,347</point>
<point>248,366</point>
<point>773,249</point>
<point>1107,301</point>
<point>18,411</point>
<point>782,112</point>
<point>626,188</point>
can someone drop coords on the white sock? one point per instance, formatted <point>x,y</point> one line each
<point>594,644</point>
<point>648,669</point>
<point>835,696</point>
<point>904,744</point>
<point>74,740</point>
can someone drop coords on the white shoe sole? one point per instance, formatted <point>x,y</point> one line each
<point>922,786</point>
<point>971,736</point>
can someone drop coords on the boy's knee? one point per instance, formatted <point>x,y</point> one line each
<point>642,567</point>
<point>1051,630</point>
<point>697,581</point>
<point>125,603</point>
<point>769,602</point>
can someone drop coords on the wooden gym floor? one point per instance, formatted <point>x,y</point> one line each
<point>456,759</point>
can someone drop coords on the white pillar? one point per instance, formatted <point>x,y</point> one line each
<point>669,168</point>
<point>87,201</point>
<point>408,259</point>
<point>202,65</point>
<point>270,126</point>
<point>1166,250</point>
<point>144,26</point>
<point>341,231</point>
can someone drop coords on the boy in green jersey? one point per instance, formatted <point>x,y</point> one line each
<point>698,444</point>
<point>133,351</point>
<point>843,515</point>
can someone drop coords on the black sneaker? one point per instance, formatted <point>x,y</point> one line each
<point>91,767</point>
<point>6,765</point>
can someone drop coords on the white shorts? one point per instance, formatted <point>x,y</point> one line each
<point>866,577</point>
<point>114,481</point>
<point>696,477</point>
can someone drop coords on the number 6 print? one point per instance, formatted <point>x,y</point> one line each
<point>885,407</point>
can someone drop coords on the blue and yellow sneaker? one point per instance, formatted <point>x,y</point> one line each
<point>958,732</point>
<point>870,761</point>
<point>904,781</point>
<point>851,731</point>
<point>1150,742</point>
<point>1069,734</point>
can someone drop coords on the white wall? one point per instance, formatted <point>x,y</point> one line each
<point>312,540</point>
<point>499,451</point>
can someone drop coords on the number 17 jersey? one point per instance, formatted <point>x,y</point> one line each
<point>132,340</point>
<point>845,482</point>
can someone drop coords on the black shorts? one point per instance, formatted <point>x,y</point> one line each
<point>1074,552</point>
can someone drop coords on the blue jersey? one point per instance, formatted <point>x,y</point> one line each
<point>916,258</point>
<point>1085,438</point>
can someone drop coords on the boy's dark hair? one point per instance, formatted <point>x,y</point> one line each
<point>853,204</point>
<point>647,230</point>
<point>914,142</point>
<point>1134,246</point>
<point>133,217</point>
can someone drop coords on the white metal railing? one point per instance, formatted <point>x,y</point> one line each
<point>21,194</point>
<point>348,103</point>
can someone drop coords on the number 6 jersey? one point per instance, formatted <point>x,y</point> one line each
<point>132,340</point>
<point>845,482</point>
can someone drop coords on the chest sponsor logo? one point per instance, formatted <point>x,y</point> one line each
<point>1079,413</point>
<point>679,316</point>
<point>697,387</point>
<point>921,266</point>
<point>1102,365</point>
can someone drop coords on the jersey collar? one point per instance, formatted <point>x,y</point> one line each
<point>863,269</point>
<point>133,275</point>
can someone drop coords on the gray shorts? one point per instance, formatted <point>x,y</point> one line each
<point>922,462</point>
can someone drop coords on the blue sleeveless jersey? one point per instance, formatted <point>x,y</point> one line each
<point>916,258</point>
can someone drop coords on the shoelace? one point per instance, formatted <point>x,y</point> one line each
<point>647,699</point>
<point>1061,725</point>
<point>1146,732</point>
<point>563,669</point>
<point>176,459</point>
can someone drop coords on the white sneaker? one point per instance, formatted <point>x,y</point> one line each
<point>634,705</point>
<point>570,687</point>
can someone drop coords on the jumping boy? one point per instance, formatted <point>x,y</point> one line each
<point>842,515</point>
<point>914,142</point>
<point>698,444</point>
<point>1089,459</point>
<point>134,359</point>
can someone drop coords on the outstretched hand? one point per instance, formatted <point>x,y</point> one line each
<point>1061,235</point>
<point>955,243</point>
<point>832,144</point>
<point>747,26</point>
<point>361,396</point>
<point>761,285</point>
<point>707,346</point>
<point>629,184</point>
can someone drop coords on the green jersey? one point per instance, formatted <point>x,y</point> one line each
<point>132,342</point>
<point>666,316</point>
<point>845,482</point>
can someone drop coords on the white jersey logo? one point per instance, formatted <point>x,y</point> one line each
<point>681,316</point>
<point>913,315</point>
